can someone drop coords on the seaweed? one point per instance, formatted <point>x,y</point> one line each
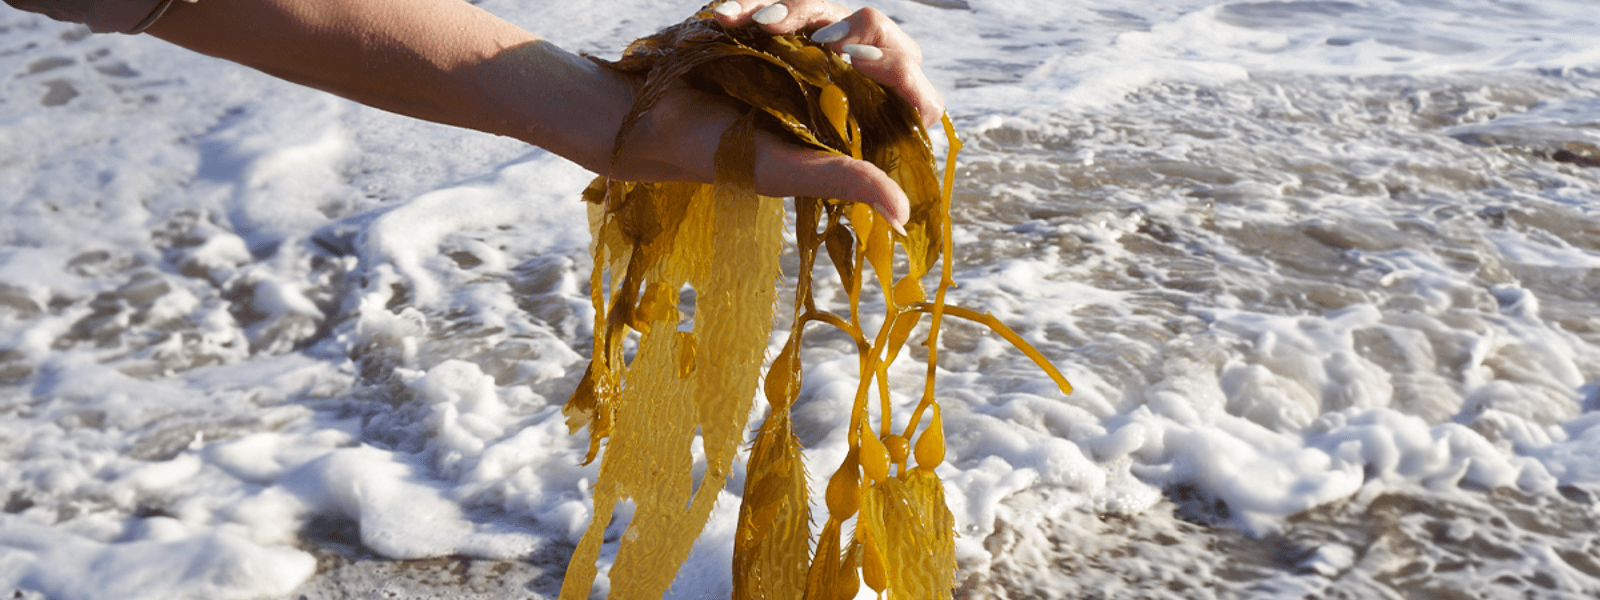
<point>698,375</point>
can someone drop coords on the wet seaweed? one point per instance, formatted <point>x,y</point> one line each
<point>695,376</point>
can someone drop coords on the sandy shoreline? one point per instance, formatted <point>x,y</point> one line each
<point>450,578</point>
<point>347,570</point>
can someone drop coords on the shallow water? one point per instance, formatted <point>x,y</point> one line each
<point>1324,275</point>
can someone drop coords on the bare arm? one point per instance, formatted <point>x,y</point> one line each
<point>445,61</point>
<point>449,62</point>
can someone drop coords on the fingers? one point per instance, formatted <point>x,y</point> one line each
<point>780,17</point>
<point>785,169</point>
<point>875,44</point>
<point>881,50</point>
<point>679,138</point>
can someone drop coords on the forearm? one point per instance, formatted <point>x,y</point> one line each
<point>440,60</point>
<point>449,62</point>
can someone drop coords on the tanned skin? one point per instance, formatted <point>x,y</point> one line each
<point>450,62</point>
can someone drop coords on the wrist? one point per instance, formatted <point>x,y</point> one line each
<point>549,97</point>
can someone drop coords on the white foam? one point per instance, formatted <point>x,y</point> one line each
<point>161,560</point>
<point>400,513</point>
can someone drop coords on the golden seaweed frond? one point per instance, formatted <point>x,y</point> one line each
<point>652,241</point>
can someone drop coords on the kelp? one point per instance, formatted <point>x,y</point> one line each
<point>698,374</point>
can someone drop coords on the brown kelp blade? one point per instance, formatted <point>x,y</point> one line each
<point>771,553</point>
<point>697,377</point>
<point>727,251</point>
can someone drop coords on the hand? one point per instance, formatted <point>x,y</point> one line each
<point>677,140</point>
<point>679,137</point>
<point>875,44</point>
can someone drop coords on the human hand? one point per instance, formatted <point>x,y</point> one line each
<point>875,44</point>
<point>678,140</point>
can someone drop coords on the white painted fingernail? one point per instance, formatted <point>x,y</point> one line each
<point>863,51</point>
<point>730,8</point>
<point>831,33</point>
<point>771,14</point>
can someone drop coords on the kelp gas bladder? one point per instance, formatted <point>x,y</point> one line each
<point>689,375</point>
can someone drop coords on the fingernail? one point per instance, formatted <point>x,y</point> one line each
<point>862,51</point>
<point>898,228</point>
<point>730,8</point>
<point>771,14</point>
<point>831,33</point>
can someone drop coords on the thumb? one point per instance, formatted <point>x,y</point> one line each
<point>786,169</point>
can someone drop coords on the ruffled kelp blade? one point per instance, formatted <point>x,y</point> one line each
<point>689,377</point>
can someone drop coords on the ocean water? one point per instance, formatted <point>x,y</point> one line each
<point>1326,275</point>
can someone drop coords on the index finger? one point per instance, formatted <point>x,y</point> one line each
<point>876,45</point>
<point>786,16</point>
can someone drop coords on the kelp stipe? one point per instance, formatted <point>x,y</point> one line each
<point>653,240</point>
